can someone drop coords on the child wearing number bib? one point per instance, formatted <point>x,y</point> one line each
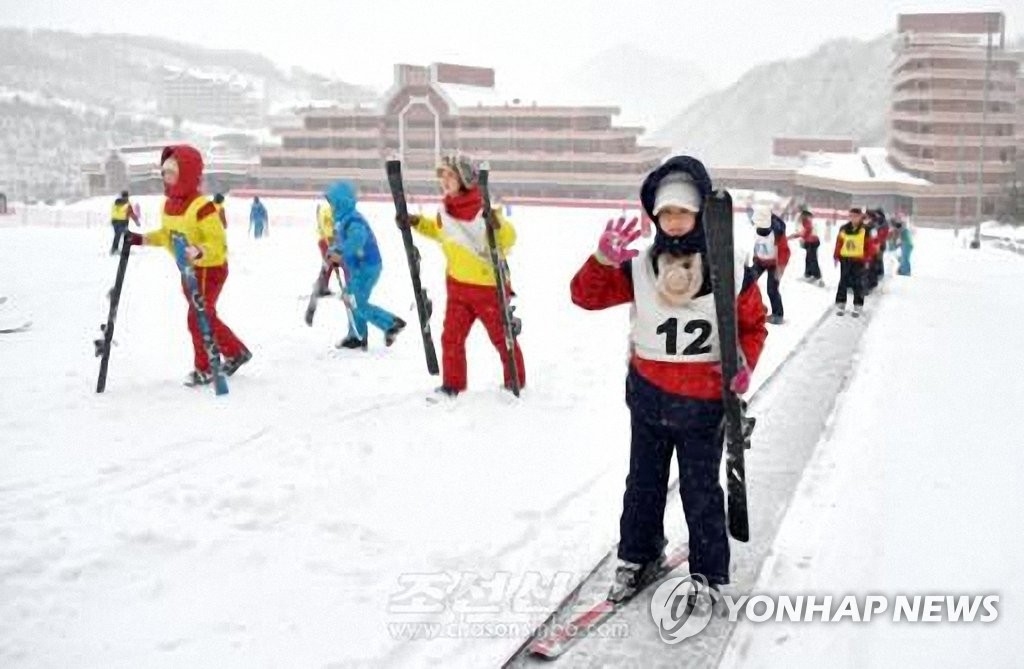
<point>674,384</point>
<point>851,249</point>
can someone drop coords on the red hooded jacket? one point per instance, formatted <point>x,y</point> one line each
<point>190,176</point>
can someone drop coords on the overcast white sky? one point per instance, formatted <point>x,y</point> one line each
<point>524,40</point>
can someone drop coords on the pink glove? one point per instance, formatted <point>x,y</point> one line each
<point>617,236</point>
<point>193,253</point>
<point>741,382</point>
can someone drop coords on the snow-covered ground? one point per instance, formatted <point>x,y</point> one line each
<point>915,488</point>
<point>155,525</point>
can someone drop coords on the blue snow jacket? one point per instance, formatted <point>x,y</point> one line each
<point>257,213</point>
<point>353,239</point>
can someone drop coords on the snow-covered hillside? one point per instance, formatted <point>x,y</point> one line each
<point>840,89</point>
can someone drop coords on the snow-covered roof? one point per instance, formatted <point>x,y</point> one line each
<point>866,165</point>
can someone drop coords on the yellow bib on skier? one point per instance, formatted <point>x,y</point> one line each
<point>852,246</point>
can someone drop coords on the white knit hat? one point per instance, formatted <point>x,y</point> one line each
<point>677,191</point>
<point>762,217</point>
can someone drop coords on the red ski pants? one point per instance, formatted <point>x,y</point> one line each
<point>466,304</point>
<point>211,281</point>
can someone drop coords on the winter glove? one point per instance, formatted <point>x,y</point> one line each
<point>193,253</point>
<point>334,259</point>
<point>741,382</point>
<point>495,219</point>
<point>612,248</point>
<point>134,239</point>
<point>413,221</point>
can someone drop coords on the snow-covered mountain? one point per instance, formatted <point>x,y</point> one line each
<point>839,89</point>
<point>649,89</point>
<point>67,98</point>
<point>125,71</point>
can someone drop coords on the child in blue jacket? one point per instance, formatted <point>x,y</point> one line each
<point>355,249</point>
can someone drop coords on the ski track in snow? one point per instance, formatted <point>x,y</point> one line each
<point>160,526</point>
<point>915,486</point>
<point>787,432</point>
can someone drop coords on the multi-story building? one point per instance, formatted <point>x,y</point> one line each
<point>953,114</point>
<point>539,151</point>
<point>212,98</point>
<point>228,160</point>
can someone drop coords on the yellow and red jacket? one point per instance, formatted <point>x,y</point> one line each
<point>188,212</point>
<point>465,263</point>
<point>325,222</point>
<point>222,213</point>
<point>202,227</point>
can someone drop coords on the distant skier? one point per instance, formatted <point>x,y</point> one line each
<point>674,384</point>
<point>869,279</point>
<point>218,202</point>
<point>355,248</point>
<point>325,238</point>
<point>771,255</point>
<point>882,231</point>
<point>120,213</point>
<point>460,229</point>
<point>810,243</point>
<point>905,245</point>
<point>851,248</point>
<point>186,211</point>
<point>258,222</point>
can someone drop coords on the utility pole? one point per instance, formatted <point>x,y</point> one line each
<point>984,121</point>
<point>960,167</point>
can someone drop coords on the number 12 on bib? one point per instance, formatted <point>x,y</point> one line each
<point>718,227</point>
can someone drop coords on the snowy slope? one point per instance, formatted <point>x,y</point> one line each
<point>160,526</point>
<point>916,488</point>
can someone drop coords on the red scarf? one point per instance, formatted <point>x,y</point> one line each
<point>464,206</point>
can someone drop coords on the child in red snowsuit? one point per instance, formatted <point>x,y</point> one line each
<point>810,243</point>
<point>472,287</point>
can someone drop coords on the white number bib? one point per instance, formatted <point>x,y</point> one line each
<point>765,249</point>
<point>666,333</point>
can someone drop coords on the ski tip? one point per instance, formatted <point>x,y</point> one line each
<point>543,650</point>
<point>393,166</point>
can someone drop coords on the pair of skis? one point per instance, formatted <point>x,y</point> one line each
<point>107,330</point>
<point>737,428</point>
<point>188,275</point>
<point>320,286</point>
<point>423,304</point>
